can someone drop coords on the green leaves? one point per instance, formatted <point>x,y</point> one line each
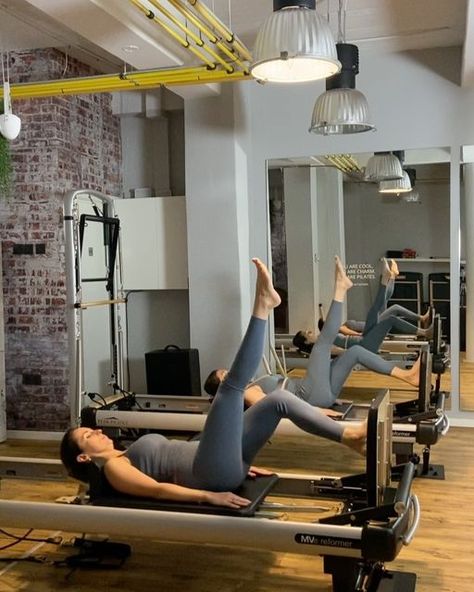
<point>6,168</point>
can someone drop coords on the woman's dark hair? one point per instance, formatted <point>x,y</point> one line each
<point>299,341</point>
<point>212,383</point>
<point>69,451</point>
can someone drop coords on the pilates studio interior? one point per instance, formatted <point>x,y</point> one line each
<point>149,149</point>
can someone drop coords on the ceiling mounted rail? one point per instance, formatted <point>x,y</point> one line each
<point>142,80</point>
<point>192,41</point>
<point>231,51</point>
<point>214,67</point>
<point>227,35</point>
<point>181,40</point>
<point>199,42</point>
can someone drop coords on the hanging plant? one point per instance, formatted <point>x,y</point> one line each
<point>6,168</point>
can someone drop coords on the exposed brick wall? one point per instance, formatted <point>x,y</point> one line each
<point>65,143</point>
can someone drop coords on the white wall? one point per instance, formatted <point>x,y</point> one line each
<point>145,158</point>
<point>155,320</point>
<point>375,224</point>
<point>217,161</point>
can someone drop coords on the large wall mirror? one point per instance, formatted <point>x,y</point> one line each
<point>321,205</point>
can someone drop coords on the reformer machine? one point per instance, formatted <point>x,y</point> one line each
<point>422,421</point>
<point>374,522</point>
<point>419,421</point>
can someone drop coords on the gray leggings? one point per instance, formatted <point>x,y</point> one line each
<point>380,321</point>
<point>325,377</point>
<point>373,338</point>
<point>380,312</point>
<point>231,438</point>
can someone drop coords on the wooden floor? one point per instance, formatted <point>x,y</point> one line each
<point>441,554</point>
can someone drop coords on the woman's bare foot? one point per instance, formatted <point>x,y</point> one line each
<point>343,283</point>
<point>387,273</point>
<point>427,333</point>
<point>355,436</point>
<point>411,376</point>
<point>394,268</point>
<point>266,297</point>
<point>426,320</point>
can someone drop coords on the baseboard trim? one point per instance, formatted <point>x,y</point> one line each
<point>33,435</point>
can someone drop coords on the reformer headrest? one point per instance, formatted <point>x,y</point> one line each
<point>101,493</point>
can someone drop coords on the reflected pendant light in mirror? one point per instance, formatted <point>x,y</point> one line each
<point>295,44</point>
<point>383,166</point>
<point>396,186</point>
<point>342,109</point>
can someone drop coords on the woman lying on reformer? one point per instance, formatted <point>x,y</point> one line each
<point>207,471</point>
<point>325,377</point>
<point>380,321</point>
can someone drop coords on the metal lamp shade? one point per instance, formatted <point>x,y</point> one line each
<point>396,186</point>
<point>341,111</point>
<point>383,167</point>
<point>294,45</point>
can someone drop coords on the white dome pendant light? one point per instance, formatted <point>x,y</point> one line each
<point>10,124</point>
<point>383,166</point>
<point>295,44</point>
<point>342,109</point>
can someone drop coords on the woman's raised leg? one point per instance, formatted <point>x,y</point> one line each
<point>315,387</point>
<point>380,300</point>
<point>219,455</point>
<point>261,420</point>
<point>342,367</point>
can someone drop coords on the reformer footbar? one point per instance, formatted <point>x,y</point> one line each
<point>354,549</point>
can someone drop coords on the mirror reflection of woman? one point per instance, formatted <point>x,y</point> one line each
<point>325,376</point>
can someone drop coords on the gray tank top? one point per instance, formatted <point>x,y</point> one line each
<point>272,382</point>
<point>169,461</point>
<point>268,383</point>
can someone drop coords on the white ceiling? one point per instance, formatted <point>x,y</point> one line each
<point>96,31</point>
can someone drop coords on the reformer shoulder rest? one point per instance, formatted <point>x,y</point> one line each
<point>101,493</point>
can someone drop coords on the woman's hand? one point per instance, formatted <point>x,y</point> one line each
<point>258,472</point>
<point>226,499</point>
<point>329,412</point>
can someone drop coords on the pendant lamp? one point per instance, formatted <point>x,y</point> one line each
<point>342,109</point>
<point>383,166</point>
<point>295,44</point>
<point>396,186</point>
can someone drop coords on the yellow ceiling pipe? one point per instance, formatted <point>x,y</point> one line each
<point>204,11</point>
<point>231,53</point>
<point>190,33</point>
<point>344,162</point>
<point>194,20</point>
<point>121,82</point>
<point>181,40</point>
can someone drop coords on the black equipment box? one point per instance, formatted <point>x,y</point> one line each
<point>173,371</point>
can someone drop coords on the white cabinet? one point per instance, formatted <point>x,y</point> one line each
<point>3,404</point>
<point>153,243</point>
